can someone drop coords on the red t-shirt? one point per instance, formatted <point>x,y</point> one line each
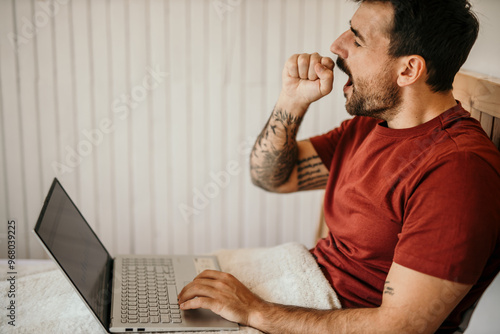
<point>427,198</point>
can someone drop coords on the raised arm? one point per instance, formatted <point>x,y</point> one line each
<point>278,162</point>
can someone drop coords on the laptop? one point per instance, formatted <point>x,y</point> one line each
<point>128,293</point>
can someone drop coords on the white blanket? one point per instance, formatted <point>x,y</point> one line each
<point>286,274</point>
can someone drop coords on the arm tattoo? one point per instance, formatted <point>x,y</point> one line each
<point>387,289</point>
<point>309,173</point>
<point>275,152</point>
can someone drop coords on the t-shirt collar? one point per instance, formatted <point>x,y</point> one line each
<point>436,122</point>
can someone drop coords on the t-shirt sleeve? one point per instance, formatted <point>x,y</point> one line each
<point>451,223</point>
<point>325,144</point>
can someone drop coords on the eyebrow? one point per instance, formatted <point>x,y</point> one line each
<point>357,34</point>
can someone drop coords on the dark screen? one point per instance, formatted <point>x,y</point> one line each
<point>74,245</point>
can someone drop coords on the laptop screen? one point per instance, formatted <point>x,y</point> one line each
<point>78,251</point>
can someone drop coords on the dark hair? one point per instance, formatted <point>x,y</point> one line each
<point>441,31</point>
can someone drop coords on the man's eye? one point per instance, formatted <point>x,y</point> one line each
<point>357,44</point>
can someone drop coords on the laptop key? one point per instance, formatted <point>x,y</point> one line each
<point>172,294</point>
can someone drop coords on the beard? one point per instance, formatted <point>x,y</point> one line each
<point>377,97</point>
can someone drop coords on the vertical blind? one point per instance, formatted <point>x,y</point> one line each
<point>146,111</point>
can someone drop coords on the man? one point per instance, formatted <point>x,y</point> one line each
<point>412,183</point>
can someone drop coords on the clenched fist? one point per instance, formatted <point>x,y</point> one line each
<point>306,78</point>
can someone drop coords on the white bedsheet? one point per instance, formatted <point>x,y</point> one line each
<point>46,302</point>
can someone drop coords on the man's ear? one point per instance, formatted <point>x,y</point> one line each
<point>412,68</point>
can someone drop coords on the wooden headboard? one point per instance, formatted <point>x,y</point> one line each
<point>480,95</point>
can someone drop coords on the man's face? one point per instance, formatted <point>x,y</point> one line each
<point>362,52</point>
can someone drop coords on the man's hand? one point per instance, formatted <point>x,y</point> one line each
<point>223,294</point>
<point>306,78</point>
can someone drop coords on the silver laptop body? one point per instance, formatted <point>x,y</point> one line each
<point>130,293</point>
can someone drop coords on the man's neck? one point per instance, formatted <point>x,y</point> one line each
<point>417,109</point>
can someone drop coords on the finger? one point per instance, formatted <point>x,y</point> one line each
<point>315,59</point>
<point>201,288</point>
<point>197,280</point>
<point>201,302</point>
<point>303,65</point>
<point>203,280</point>
<point>209,278</point>
<point>291,67</point>
<point>328,62</point>
<point>326,79</point>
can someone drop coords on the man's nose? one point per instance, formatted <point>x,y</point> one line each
<point>339,46</point>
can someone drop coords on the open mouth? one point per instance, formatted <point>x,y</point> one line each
<point>348,84</point>
<point>341,65</point>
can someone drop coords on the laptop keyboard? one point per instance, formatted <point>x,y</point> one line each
<point>148,292</point>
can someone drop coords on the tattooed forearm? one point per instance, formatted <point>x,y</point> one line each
<point>275,152</point>
<point>276,163</point>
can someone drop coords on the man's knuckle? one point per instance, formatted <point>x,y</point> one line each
<point>219,285</point>
<point>303,60</point>
<point>227,276</point>
<point>293,59</point>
